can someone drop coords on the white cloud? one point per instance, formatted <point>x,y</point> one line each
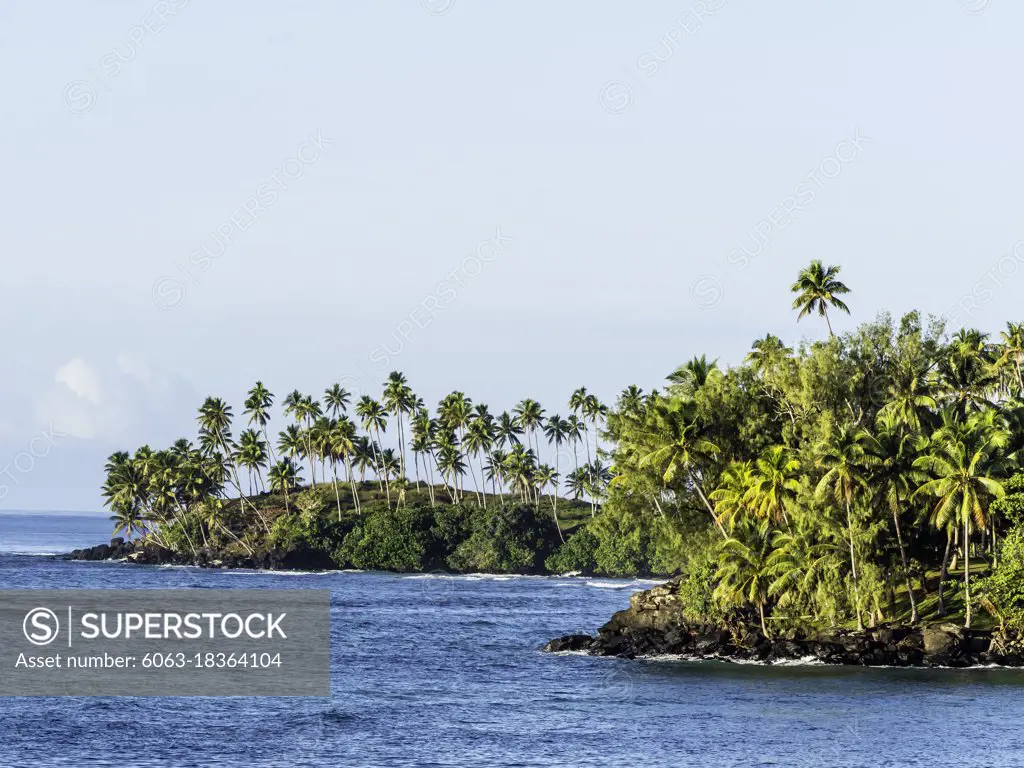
<point>82,380</point>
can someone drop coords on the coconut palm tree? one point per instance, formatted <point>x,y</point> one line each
<point>674,444</point>
<point>374,420</point>
<point>508,430</point>
<point>1011,351</point>
<point>343,448</point>
<point>252,455</point>
<point>817,289</point>
<point>744,572</point>
<point>399,401</point>
<point>774,484</point>
<point>529,416</point>
<point>556,430</point>
<point>336,400</point>
<point>843,460</point>
<point>964,461</point>
<point>258,403</point>
<point>891,452</point>
<point>545,476</point>
<point>283,477</point>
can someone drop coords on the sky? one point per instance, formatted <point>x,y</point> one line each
<point>509,199</point>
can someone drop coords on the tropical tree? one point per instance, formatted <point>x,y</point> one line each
<point>964,461</point>
<point>817,289</point>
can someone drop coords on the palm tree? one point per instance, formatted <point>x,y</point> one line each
<point>730,497</point>
<point>398,401</point>
<point>556,430</point>
<point>374,419</point>
<point>693,375</point>
<point>743,570</point>
<point>283,477</point>
<point>215,421</point>
<point>544,476</point>
<point>529,416</point>
<point>817,289</point>
<point>508,430</point>
<point>891,453</point>
<point>258,403</point>
<point>773,484</point>
<point>843,461</point>
<point>478,441</point>
<point>252,455</point>
<point>963,461</point>
<point>1012,351</point>
<point>336,400</point>
<point>674,444</point>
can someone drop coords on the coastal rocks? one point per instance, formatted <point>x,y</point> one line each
<point>149,553</point>
<point>654,625</point>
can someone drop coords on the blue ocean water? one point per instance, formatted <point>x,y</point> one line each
<point>446,671</point>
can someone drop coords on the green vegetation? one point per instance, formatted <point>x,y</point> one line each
<point>872,476</point>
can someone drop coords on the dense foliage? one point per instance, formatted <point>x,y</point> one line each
<point>870,476</point>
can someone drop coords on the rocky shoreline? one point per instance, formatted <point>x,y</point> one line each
<point>654,625</point>
<point>149,553</point>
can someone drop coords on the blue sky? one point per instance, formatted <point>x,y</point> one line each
<point>510,199</point>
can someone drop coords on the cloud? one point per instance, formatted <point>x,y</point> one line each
<point>82,380</point>
<point>127,400</point>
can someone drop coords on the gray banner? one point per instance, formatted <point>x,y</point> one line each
<point>209,642</point>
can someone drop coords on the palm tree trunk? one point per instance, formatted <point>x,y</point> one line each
<point>944,573</point>
<point>828,323</point>
<point>760,610</point>
<point>351,482</point>
<point>337,493</point>
<point>853,566</point>
<point>906,569</point>
<point>967,572</point>
<point>707,503</point>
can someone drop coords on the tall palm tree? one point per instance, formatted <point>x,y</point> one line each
<point>258,403</point>
<point>215,421</point>
<point>283,477</point>
<point>529,416</point>
<point>891,452</point>
<point>508,430</point>
<point>399,401</point>
<point>843,460</point>
<point>556,430</point>
<point>1011,351</point>
<point>252,455</point>
<point>343,447</point>
<point>336,400</point>
<point>964,463</point>
<point>545,476</point>
<point>818,289</point>
<point>374,419</point>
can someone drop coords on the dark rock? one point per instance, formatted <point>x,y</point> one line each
<point>569,643</point>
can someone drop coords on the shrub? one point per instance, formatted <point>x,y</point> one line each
<point>577,554</point>
<point>1002,593</point>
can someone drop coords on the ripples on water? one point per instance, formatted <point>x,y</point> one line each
<point>437,670</point>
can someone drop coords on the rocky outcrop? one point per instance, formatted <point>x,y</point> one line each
<point>654,625</point>
<point>149,553</point>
